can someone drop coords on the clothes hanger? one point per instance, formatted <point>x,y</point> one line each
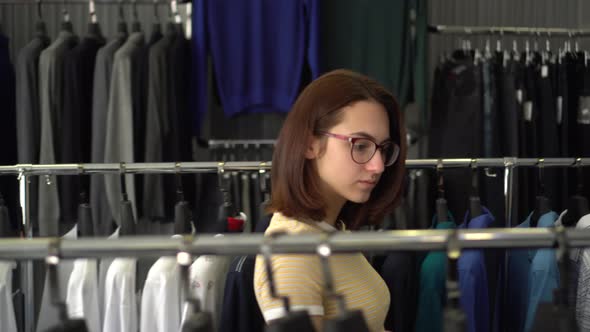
<point>292,321</point>
<point>227,216</point>
<point>196,319</point>
<point>454,319</point>
<point>157,24</point>
<point>85,225</point>
<point>52,261</point>
<point>475,208</point>
<point>135,25</point>
<point>346,320</point>
<point>561,296</point>
<point>122,25</point>
<point>126,217</point>
<point>542,204</point>
<point>93,26</point>
<point>182,212</point>
<point>577,205</point>
<point>442,210</point>
<point>5,229</point>
<point>66,24</point>
<point>40,26</point>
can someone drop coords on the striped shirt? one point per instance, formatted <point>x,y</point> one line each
<point>300,278</point>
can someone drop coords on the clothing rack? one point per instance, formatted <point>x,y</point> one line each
<point>232,143</point>
<point>38,246</point>
<point>250,244</point>
<point>509,31</point>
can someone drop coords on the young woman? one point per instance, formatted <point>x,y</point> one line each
<point>338,164</point>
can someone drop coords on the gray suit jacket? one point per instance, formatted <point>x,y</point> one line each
<point>51,69</point>
<point>28,110</point>
<point>101,211</point>
<point>157,126</point>
<point>119,145</point>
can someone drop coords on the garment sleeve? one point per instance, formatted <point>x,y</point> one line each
<point>583,296</point>
<point>313,36</point>
<point>298,277</point>
<point>543,280</point>
<point>200,51</point>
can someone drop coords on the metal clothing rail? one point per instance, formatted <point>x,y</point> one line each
<point>98,2</point>
<point>513,31</point>
<point>250,244</point>
<point>231,143</point>
<point>211,167</point>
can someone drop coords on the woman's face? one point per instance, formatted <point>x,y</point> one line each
<point>342,179</point>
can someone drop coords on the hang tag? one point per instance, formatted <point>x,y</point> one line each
<point>519,96</point>
<point>584,110</point>
<point>544,71</point>
<point>559,110</point>
<point>527,111</point>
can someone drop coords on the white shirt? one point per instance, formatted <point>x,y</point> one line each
<point>49,314</point>
<point>161,302</point>
<point>582,256</point>
<point>207,284</point>
<point>7,318</point>
<point>103,268</point>
<point>120,311</point>
<point>82,297</point>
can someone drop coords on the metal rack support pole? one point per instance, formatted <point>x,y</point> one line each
<point>27,275</point>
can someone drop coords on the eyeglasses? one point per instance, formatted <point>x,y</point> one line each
<point>363,149</point>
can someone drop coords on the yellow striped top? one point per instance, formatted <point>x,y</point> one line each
<point>300,278</point>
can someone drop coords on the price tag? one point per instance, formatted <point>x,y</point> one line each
<point>527,111</point>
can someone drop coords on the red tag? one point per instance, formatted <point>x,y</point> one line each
<point>235,224</point>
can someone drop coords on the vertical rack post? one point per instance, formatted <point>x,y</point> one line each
<point>27,282</point>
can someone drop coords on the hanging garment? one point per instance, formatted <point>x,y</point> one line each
<point>258,67</point>
<point>76,138</point>
<point>28,111</point>
<point>161,297</point>
<point>101,213</point>
<point>49,314</point>
<point>432,289</point>
<point>399,272</point>
<point>120,311</point>
<point>157,128</point>
<point>103,268</point>
<point>473,278</point>
<point>7,316</point>
<point>456,124</point>
<point>51,89</point>
<point>240,311</point>
<point>301,278</point>
<point>582,262</point>
<point>543,276</point>
<point>207,281</point>
<point>82,294</point>
<point>123,105</point>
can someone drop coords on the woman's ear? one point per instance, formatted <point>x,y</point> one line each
<point>313,148</point>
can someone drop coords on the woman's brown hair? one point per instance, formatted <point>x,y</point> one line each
<point>295,190</point>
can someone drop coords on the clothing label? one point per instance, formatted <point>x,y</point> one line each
<point>519,96</point>
<point>584,110</point>
<point>527,111</point>
<point>544,71</point>
<point>559,109</point>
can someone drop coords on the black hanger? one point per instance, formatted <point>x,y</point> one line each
<point>93,27</point>
<point>66,324</point>
<point>126,217</point>
<point>577,205</point>
<point>475,208</point>
<point>40,26</point>
<point>85,225</point>
<point>346,320</point>
<point>542,204</point>
<point>442,210</point>
<point>122,25</point>
<point>66,24</point>
<point>454,318</point>
<point>182,212</point>
<point>5,229</point>
<point>157,25</point>
<point>135,25</point>
<point>228,208</point>
<point>196,320</point>
<point>293,321</point>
